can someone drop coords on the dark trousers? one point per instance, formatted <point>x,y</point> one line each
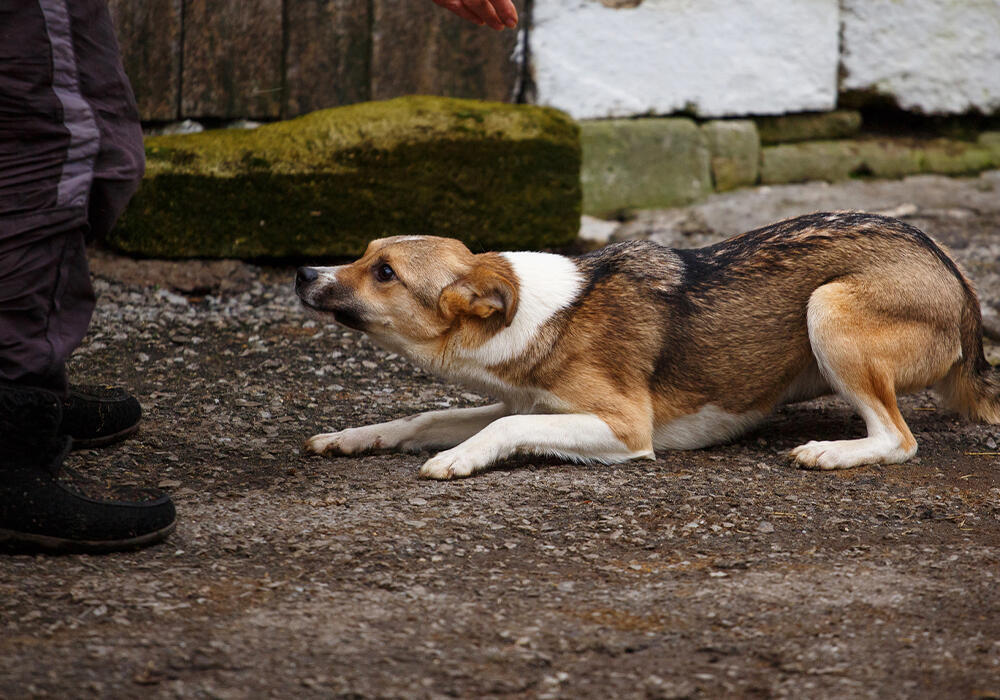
<point>71,156</point>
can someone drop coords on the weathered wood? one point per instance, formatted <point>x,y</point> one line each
<point>328,54</point>
<point>149,34</point>
<point>232,59</point>
<point>419,48</point>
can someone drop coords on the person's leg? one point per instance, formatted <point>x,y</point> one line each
<point>50,149</point>
<point>120,160</point>
<point>49,142</point>
<point>95,415</point>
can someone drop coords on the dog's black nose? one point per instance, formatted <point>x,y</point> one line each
<point>305,275</point>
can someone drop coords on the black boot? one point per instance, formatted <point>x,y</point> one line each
<point>46,507</point>
<point>95,416</point>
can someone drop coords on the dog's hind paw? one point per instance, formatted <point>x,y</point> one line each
<point>450,464</point>
<point>844,454</point>
<point>345,442</point>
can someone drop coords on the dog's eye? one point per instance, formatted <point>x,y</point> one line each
<point>384,273</point>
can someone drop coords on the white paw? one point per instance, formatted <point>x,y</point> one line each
<point>817,454</point>
<point>450,464</point>
<point>345,442</point>
<point>844,454</point>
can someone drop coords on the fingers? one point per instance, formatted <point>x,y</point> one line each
<point>496,14</point>
<point>506,12</point>
<point>459,9</point>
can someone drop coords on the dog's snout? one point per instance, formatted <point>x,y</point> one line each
<point>306,275</point>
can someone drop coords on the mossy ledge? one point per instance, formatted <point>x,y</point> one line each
<point>495,175</point>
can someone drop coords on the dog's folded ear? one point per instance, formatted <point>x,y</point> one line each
<point>482,292</point>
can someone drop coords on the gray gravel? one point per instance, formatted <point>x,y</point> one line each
<point>720,572</point>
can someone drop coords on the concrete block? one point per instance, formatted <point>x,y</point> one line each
<point>949,157</point>
<point>498,176</point>
<point>643,163</point>
<point>931,56</point>
<point>816,160</point>
<point>881,157</point>
<point>889,158</point>
<point>822,126</point>
<point>734,152</point>
<point>709,58</point>
<point>990,140</point>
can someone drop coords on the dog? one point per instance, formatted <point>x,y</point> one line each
<point>634,347</point>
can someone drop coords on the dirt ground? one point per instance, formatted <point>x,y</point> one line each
<point>723,572</point>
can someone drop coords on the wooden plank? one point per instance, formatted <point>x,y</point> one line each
<point>232,59</point>
<point>420,48</point>
<point>328,55</point>
<point>149,34</point>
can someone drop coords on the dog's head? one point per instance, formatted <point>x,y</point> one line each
<point>409,292</point>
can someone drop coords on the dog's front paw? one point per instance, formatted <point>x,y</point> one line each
<point>450,464</point>
<point>345,442</point>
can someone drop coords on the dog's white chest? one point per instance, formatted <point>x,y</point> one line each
<point>709,425</point>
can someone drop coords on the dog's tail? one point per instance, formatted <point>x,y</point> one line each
<point>972,387</point>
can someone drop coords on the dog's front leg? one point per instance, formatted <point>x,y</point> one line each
<point>573,436</point>
<point>431,430</point>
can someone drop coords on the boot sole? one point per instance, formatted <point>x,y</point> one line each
<point>105,440</point>
<point>22,542</point>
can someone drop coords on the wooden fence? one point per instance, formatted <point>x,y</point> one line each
<point>271,59</point>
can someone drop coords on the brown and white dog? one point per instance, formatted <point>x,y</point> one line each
<point>607,356</point>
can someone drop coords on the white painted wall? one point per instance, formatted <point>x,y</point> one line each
<point>712,57</point>
<point>933,56</point>
<point>718,58</point>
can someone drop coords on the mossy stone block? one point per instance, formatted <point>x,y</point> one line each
<point>990,140</point>
<point>818,160</point>
<point>820,126</point>
<point>889,158</point>
<point>734,152</point>
<point>642,164</point>
<point>882,157</point>
<point>950,157</point>
<point>497,176</point>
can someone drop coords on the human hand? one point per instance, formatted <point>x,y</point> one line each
<point>497,14</point>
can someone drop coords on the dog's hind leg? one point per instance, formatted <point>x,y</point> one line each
<point>869,346</point>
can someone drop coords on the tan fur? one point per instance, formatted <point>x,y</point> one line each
<point>487,292</point>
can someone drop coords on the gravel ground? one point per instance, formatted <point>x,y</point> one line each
<point>719,572</point>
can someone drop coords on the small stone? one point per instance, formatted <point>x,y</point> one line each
<point>597,231</point>
<point>765,527</point>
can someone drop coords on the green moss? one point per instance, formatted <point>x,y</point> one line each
<point>820,126</point>
<point>877,157</point>
<point>497,176</point>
